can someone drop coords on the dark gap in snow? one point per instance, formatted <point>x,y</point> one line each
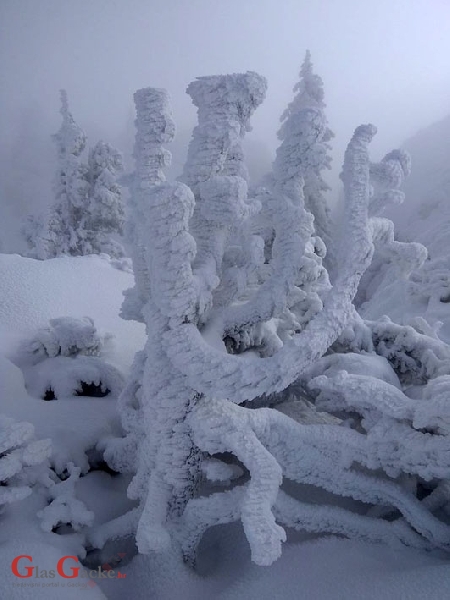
<point>63,528</point>
<point>49,395</point>
<point>103,466</point>
<point>93,389</point>
<point>424,489</point>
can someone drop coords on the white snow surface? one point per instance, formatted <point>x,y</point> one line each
<point>325,569</point>
<point>33,292</point>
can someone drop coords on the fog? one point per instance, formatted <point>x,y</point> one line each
<point>382,61</point>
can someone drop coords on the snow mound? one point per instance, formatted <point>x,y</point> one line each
<point>33,292</point>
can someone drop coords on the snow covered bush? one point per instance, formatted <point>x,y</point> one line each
<point>64,508</point>
<point>64,377</point>
<point>249,374</point>
<point>64,359</point>
<point>21,457</point>
<point>25,466</point>
<point>432,280</point>
<point>64,336</point>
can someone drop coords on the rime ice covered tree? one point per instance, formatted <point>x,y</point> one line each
<point>168,465</point>
<point>65,227</point>
<point>393,260</point>
<point>190,409</point>
<point>88,214</point>
<point>105,216</point>
<point>34,232</point>
<point>305,129</point>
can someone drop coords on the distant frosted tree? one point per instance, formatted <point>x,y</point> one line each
<point>35,234</point>
<point>66,223</point>
<point>105,212</point>
<point>305,129</point>
<point>88,215</point>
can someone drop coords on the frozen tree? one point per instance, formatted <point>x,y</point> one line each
<point>34,232</point>
<point>305,132</point>
<point>195,404</point>
<point>66,223</point>
<point>88,214</point>
<point>155,127</point>
<point>105,217</point>
<point>432,280</point>
<point>217,175</point>
<point>393,261</point>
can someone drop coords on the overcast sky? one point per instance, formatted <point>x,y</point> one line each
<point>382,61</point>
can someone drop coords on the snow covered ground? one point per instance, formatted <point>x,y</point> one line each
<point>328,568</point>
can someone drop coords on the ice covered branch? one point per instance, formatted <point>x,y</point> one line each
<point>215,169</point>
<point>271,444</point>
<point>215,373</point>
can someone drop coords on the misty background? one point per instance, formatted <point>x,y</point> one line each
<point>382,61</point>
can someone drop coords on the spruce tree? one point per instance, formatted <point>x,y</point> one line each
<point>66,223</point>
<point>304,124</point>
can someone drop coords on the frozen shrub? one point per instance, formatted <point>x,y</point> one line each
<point>64,359</point>
<point>22,458</point>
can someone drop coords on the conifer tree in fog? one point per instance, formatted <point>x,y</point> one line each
<point>305,127</point>
<point>105,212</point>
<point>68,214</point>
<point>87,216</point>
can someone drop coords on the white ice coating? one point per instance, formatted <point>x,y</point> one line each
<point>20,453</point>
<point>393,260</point>
<point>215,373</point>
<point>105,217</point>
<point>154,126</point>
<point>182,404</point>
<point>216,172</point>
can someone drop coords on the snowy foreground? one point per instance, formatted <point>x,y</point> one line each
<point>31,294</point>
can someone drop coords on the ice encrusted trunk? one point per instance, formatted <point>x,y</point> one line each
<point>164,296</point>
<point>216,173</point>
<point>168,291</point>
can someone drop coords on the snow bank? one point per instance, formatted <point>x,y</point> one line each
<point>326,569</point>
<point>32,292</point>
